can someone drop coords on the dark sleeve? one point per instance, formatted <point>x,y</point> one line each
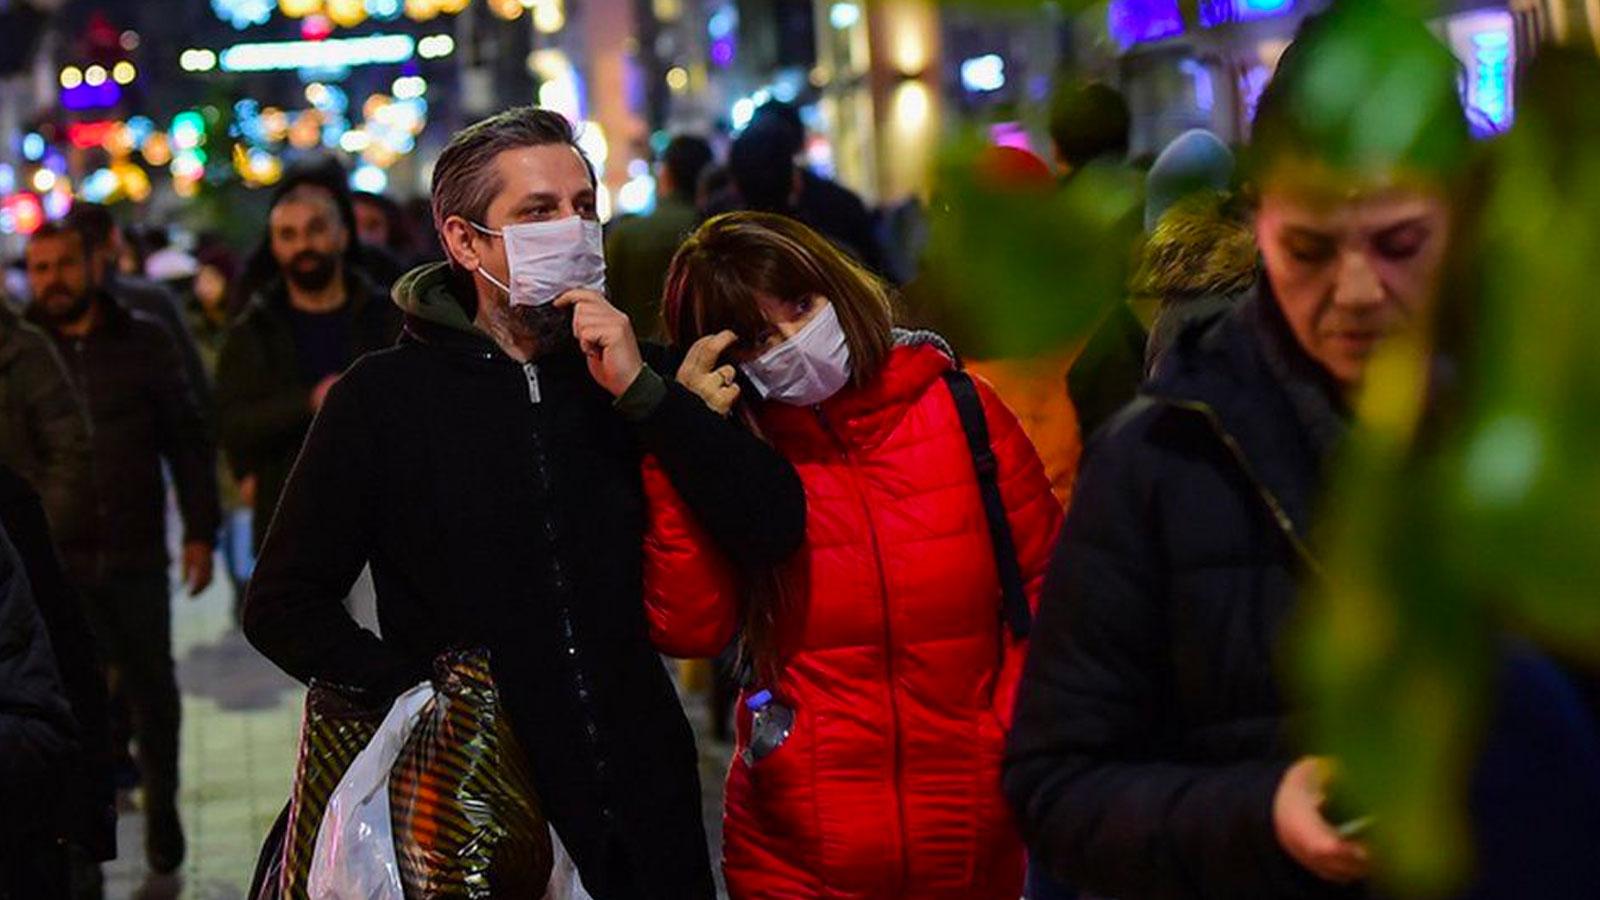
<point>1107,373</point>
<point>163,304</point>
<point>35,719</point>
<point>61,432</point>
<point>186,442</point>
<point>77,662</point>
<point>254,414</point>
<point>1101,795</point>
<point>319,540</point>
<point>746,496</point>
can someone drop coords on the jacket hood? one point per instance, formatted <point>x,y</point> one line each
<point>1280,413</point>
<point>1200,248</point>
<point>428,293</point>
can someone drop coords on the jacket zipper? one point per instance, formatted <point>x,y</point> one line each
<point>1280,516</point>
<point>888,645</point>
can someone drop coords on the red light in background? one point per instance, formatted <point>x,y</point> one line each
<point>87,135</point>
<point>316,28</point>
<point>25,211</point>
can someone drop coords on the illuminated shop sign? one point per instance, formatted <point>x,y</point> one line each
<point>339,53</point>
<point>1483,42</point>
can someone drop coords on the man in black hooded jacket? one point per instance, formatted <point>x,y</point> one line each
<point>488,468</point>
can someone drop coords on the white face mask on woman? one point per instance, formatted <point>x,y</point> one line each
<point>547,259</point>
<point>809,367</point>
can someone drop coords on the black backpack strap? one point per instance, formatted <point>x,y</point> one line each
<point>1014,598</point>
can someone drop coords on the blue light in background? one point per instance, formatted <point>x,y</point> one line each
<point>1141,21</point>
<point>85,96</point>
<point>242,14</point>
<point>1222,12</point>
<point>1491,92</point>
<point>844,15</point>
<point>1205,95</point>
<point>982,74</point>
<point>33,147</point>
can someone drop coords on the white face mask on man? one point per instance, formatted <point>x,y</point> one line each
<point>809,367</point>
<point>547,259</point>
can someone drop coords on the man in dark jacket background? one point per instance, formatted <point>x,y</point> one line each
<point>106,240</point>
<point>142,413</point>
<point>44,431</point>
<point>640,248</point>
<point>298,334</point>
<point>488,468</point>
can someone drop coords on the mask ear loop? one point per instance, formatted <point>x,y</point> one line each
<point>480,271</point>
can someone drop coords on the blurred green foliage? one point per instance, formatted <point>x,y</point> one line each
<point>1026,271</point>
<point>1467,507</point>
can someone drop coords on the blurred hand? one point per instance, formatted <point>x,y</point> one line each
<point>319,394</point>
<point>197,566</point>
<point>606,336</point>
<point>701,374</point>
<point>247,491</point>
<point>1305,835</point>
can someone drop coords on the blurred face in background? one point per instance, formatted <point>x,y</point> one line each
<point>211,289</point>
<point>372,224</point>
<point>61,277</point>
<point>308,239</point>
<point>1350,261</point>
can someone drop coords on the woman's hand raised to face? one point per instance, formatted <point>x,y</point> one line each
<point>700,373</point>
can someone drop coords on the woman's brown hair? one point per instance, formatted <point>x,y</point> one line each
<point>713,285</point>
<point>717,274</point>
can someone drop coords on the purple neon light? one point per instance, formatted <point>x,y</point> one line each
<point>99,96</point>
<point>1141,21</point>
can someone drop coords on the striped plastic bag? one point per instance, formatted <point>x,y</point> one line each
<point>338,722</point>
<point>466,818</point>
<point>354,855</point>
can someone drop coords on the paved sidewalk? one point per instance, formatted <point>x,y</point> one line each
<point>241,719</point>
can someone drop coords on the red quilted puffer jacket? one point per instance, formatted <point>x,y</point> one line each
<point>895,658</point>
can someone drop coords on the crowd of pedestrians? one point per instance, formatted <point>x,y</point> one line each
<point>995,627</point>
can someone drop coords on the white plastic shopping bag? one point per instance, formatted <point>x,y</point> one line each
<point>564,882</point>
<point>354,856</point>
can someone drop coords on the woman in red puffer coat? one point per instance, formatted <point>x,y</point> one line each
<point>883,635</point>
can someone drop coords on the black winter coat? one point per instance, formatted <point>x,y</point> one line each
<point>263,406</point>
<point>37,730</point>
<point>142,411</point>
<point>87,811</point>
<point>494,519</point>
<point>44,430</point>
<point>1150,735</point>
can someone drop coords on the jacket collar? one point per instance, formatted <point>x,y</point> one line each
<point>114,317</point>
<point>863,416</point>
<point>1276,411</point>
<point>274,298</point>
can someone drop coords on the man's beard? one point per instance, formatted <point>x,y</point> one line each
<point>315,277</point>
<point>548,327</point>
<point>60,315</point>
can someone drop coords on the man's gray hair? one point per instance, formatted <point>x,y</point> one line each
<point>465,180</point>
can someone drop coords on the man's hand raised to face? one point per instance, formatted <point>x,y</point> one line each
<point>607,339</point>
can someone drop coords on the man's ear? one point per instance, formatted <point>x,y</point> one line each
<point>460,243</point>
